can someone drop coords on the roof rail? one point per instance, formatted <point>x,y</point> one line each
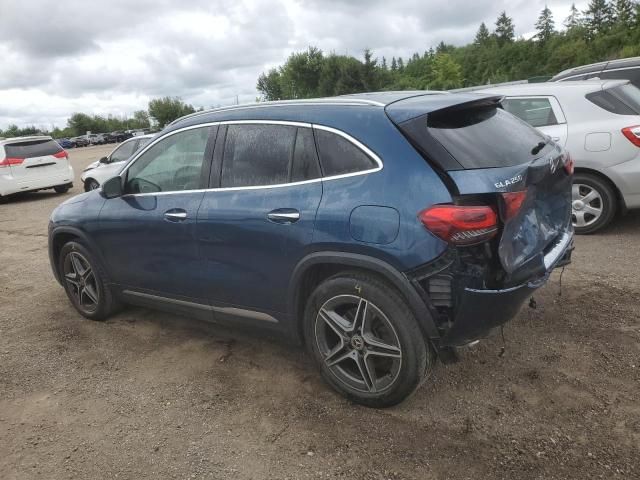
<point>285,103</point>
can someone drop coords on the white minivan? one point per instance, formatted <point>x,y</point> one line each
<point>598,122</point>
<point>33,163</point>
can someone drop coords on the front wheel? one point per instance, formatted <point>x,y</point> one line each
<point>91,184</point>
<point>61,188</point>
<point>593,203</point>
<point>365,340</point>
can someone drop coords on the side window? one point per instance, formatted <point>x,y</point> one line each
<point>537,112</point>
<point>172,164</point>
<point>124,151</point>
<point>339,156</point>
<point>305,159</point>
<point>257,155</point>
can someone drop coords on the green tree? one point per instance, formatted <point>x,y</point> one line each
<point>482,37</point>
<point>166,109</point>
<point>598,17</point>
<point>545,26</point>
<point>370,72</point>
<point>623,13</point>
<point>445,73</point>
<point>574,19</point>
<point>505,31</point>
<point>140,120</point>
<point>270,86</point>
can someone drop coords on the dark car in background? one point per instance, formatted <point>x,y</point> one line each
<point>80,141</point>
<point>623,69</point>
<point>120,136</point>
<point>65,143</point>
<point>380,230</point>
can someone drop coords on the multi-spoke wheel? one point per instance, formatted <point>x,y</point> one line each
<point>365,339</point>
<point>84,282</point>
<point>593,203</point>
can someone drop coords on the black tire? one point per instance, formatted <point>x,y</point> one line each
<point>91,184</point>
<point>404,374</point>
<point>61,188</point>
<point>606,202</point>
<point>106,303</point>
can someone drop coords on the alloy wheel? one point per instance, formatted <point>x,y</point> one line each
<point>82,281</point>
<point>586,205</point>
<point>358,343</point>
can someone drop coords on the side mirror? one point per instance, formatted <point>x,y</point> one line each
<point>104,160</point>
<point>112,188</point>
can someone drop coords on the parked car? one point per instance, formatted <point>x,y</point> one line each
<point>381,230</point>
<point>108,138</point>
<point>97,172</point>
<point>65,143</point>
<point>33,163</point>
<point>599,123</point>
<point>95,139</point>
<point>121,136</point>
<point>80,141</point>
<point>623,69</point>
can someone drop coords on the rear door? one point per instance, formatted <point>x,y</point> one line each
<point>36,159</point>
<point>255,226</point>
<point>541,112</point>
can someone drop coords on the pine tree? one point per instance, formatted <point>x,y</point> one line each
<point>505,31</point>
<point>482,36</point>
<point>394,64</point>
<point>400,64</point>
<point>545,25</point>
<point>574,19</point>
<point>598,17</point>
<point>623,13</point>
<point>384,63</point>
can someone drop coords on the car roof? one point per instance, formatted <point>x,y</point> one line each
<point>548,88</point>
<point>594,67</point>
<point>411,102</point>
<point>8,141</point>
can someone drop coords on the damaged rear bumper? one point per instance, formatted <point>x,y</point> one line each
<point>467,314</point>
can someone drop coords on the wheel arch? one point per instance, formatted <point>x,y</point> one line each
<point>86,183</point>
<point>59,236</point>
<point>316,267</point>
<point>620,203</point>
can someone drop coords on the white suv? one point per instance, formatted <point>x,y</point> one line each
<point>599,123</point>
<point>33,163</point>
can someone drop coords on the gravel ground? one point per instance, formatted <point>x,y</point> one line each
<point>152,395</point>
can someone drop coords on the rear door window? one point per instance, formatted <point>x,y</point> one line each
<point>484,137</point>
<point>631,74</point>
<point>339,156</point>
<point>536,111</point>
<point>257,155</point>
<point>32,148</point>
<point>305,159</point>
<point>621,100</point>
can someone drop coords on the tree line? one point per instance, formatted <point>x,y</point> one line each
<point>605,30</point>
<point>161,111</point>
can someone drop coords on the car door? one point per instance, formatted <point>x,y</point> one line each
<point>256,225</point>
<point>542,112</point>
<point>148,235</point>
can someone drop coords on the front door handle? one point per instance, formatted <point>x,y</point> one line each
<point>175,215</point>
<point>284,215</point>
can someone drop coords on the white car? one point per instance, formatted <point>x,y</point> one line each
<point>97,172</point>
<point>598,122</point>
<point>33,163</point>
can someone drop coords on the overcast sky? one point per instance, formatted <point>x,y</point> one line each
<point>62,56</point>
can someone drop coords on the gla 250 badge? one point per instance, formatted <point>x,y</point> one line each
<point>510,181</point>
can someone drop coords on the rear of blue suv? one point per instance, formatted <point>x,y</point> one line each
<point>381,230</point>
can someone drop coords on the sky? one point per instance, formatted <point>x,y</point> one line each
<point>63,56</point>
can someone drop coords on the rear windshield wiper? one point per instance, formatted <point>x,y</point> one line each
<point>535,150</point>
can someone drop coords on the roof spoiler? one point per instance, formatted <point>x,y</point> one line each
<point>414,107</point>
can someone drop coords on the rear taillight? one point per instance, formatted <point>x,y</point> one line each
<point>61,154</point>
<point>7,162</point>
<point>633,134</point>
<point>512,203</point>
<point>460,224</point>
<point>569,164</point>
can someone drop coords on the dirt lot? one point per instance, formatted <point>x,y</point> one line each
<point>151,395</point>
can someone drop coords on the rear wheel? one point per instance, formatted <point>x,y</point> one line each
<point>91,184</point>
<point>365,340</point>
<point>61,188</point>
<point>593,203</point>
<point>85,282</point>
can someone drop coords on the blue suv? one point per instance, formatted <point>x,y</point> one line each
<point>381,230</point>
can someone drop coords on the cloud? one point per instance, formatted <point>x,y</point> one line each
<point>74,55</point>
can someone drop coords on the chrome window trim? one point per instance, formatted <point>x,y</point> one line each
<point>336,131</point>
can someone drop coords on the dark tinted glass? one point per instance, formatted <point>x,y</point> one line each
<point>339,156</point>
<point>305,160</point>
<point>257,155</point>
<point>623,100</point>
<point>631,74</point>
<point>33,148</point>
<point>485,137</point>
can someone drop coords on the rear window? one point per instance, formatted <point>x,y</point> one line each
<point>32,148</point>
<point>537,112</point>
<point>484,137</point>
<point>622,100</point>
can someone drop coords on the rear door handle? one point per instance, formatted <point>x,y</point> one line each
<point>175,215</point>
<point>284,215</point>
